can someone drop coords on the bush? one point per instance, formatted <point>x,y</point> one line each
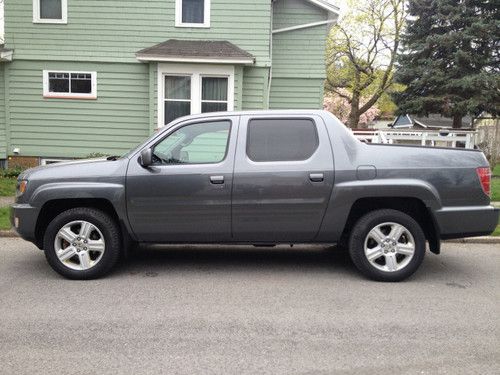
<point>96,155</point>
<point>11,172</point>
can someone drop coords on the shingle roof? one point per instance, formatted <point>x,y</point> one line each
<point>433,120</point>
<point>203,50</point>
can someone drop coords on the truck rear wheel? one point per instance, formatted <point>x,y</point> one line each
<point>387,245</point>
<point>82,243</point>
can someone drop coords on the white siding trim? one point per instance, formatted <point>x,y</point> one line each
<point>68,95</point>
<point>36,13</point>
<point>304,26</point>
<point>178,16</point>
<point>196,72</point>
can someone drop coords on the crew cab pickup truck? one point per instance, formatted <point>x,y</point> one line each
<point>257,178</point>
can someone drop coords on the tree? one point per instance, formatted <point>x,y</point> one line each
<point>450,62</point>
<point>361,53</point>
<point>341,108</point>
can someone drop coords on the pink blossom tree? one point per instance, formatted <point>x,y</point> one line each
<point>340,107</point>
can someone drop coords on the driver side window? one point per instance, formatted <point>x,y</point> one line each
<point>201,143</point>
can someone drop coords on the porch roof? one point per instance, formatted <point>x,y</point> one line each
<point>197,51</point>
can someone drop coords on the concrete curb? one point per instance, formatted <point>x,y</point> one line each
<point>8,233</point>
<point>485,239</point>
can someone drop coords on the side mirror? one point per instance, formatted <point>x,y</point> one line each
<point>146,158</point>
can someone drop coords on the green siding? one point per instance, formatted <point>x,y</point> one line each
<point>296,93</point>
<point>299,53</point>
<point>3,133</point>
<point>112,30</point>
<point>298,56</point>
<point>296,12</point>
<point>113,123</point>
<point>255,82</point>
<point>104,35</point>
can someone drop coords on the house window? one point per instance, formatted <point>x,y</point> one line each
<point>70,85</point>
<point>192,13</point>
<point>186,89</point>
<point>214,94</point>
<point>50,11</point>
<point>177,97</point>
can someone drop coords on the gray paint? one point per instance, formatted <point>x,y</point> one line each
<point>273,201</point>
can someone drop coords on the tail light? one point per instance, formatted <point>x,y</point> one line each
<point>484,174</point>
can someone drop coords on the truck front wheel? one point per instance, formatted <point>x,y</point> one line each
<point>387,245</point>
<point>82,243</point>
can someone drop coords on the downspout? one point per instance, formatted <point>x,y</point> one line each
<point>270,79</point>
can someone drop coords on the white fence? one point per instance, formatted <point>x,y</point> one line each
<point>436,138</point>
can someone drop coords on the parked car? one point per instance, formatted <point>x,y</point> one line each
<point>261,178</point>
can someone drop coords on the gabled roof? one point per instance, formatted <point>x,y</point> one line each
<point>203,51</point>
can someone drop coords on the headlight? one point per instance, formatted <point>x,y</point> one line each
<point>21,187</point>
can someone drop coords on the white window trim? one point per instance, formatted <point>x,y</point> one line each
<point>47,161</point>
<point>68,95</point>
<point>178,16</point>
<point>196,72</point>
<point>36,13</point>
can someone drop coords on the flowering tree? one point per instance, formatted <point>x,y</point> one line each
<point>361,53</point>
<point>340,107</point>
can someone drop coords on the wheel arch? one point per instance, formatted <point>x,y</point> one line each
<point>54,207</point>
<point>411,206</point>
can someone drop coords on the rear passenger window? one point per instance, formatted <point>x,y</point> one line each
<point>281,139</point>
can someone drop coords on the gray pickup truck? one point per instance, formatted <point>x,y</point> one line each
<point>259,178</point>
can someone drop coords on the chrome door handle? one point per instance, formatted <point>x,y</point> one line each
<point>217,180</point>
<point>316,177</point>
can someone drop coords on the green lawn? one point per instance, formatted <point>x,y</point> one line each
<point>4,218</point>
<point>7,187</point>
<point>496,171</point>
<point>495,189</point>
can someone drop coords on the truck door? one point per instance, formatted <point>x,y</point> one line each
<point>283,178</point>
<point>185,196</point>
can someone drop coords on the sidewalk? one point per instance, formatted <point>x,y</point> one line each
<point>6,201</point>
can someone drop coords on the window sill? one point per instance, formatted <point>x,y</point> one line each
<point>193,25</point>
<point>51,21</point>
<point>74,97</point>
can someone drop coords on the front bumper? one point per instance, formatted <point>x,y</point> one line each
<point>469,221</point>
<point>23,218</point>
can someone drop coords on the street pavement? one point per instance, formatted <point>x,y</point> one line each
<point>227,310</point>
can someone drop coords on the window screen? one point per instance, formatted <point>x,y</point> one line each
<point>51,9</point>
<point>281,139</point>
<point>214,94</point>
<point>193,11</point>
<point>75,83</point>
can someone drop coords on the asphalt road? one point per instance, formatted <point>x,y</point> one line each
<point>250,311</point>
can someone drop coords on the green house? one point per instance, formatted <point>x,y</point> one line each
<point>98,76</point>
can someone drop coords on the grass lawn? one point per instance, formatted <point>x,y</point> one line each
<point>4,218</point>
<point>7,187</point>
<point>496,171</point>
<point>495,189</point>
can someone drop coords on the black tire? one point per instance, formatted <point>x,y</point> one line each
<point>99,219</point>
<point>361,230</point>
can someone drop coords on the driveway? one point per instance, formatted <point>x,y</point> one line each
<point>250,311</point>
